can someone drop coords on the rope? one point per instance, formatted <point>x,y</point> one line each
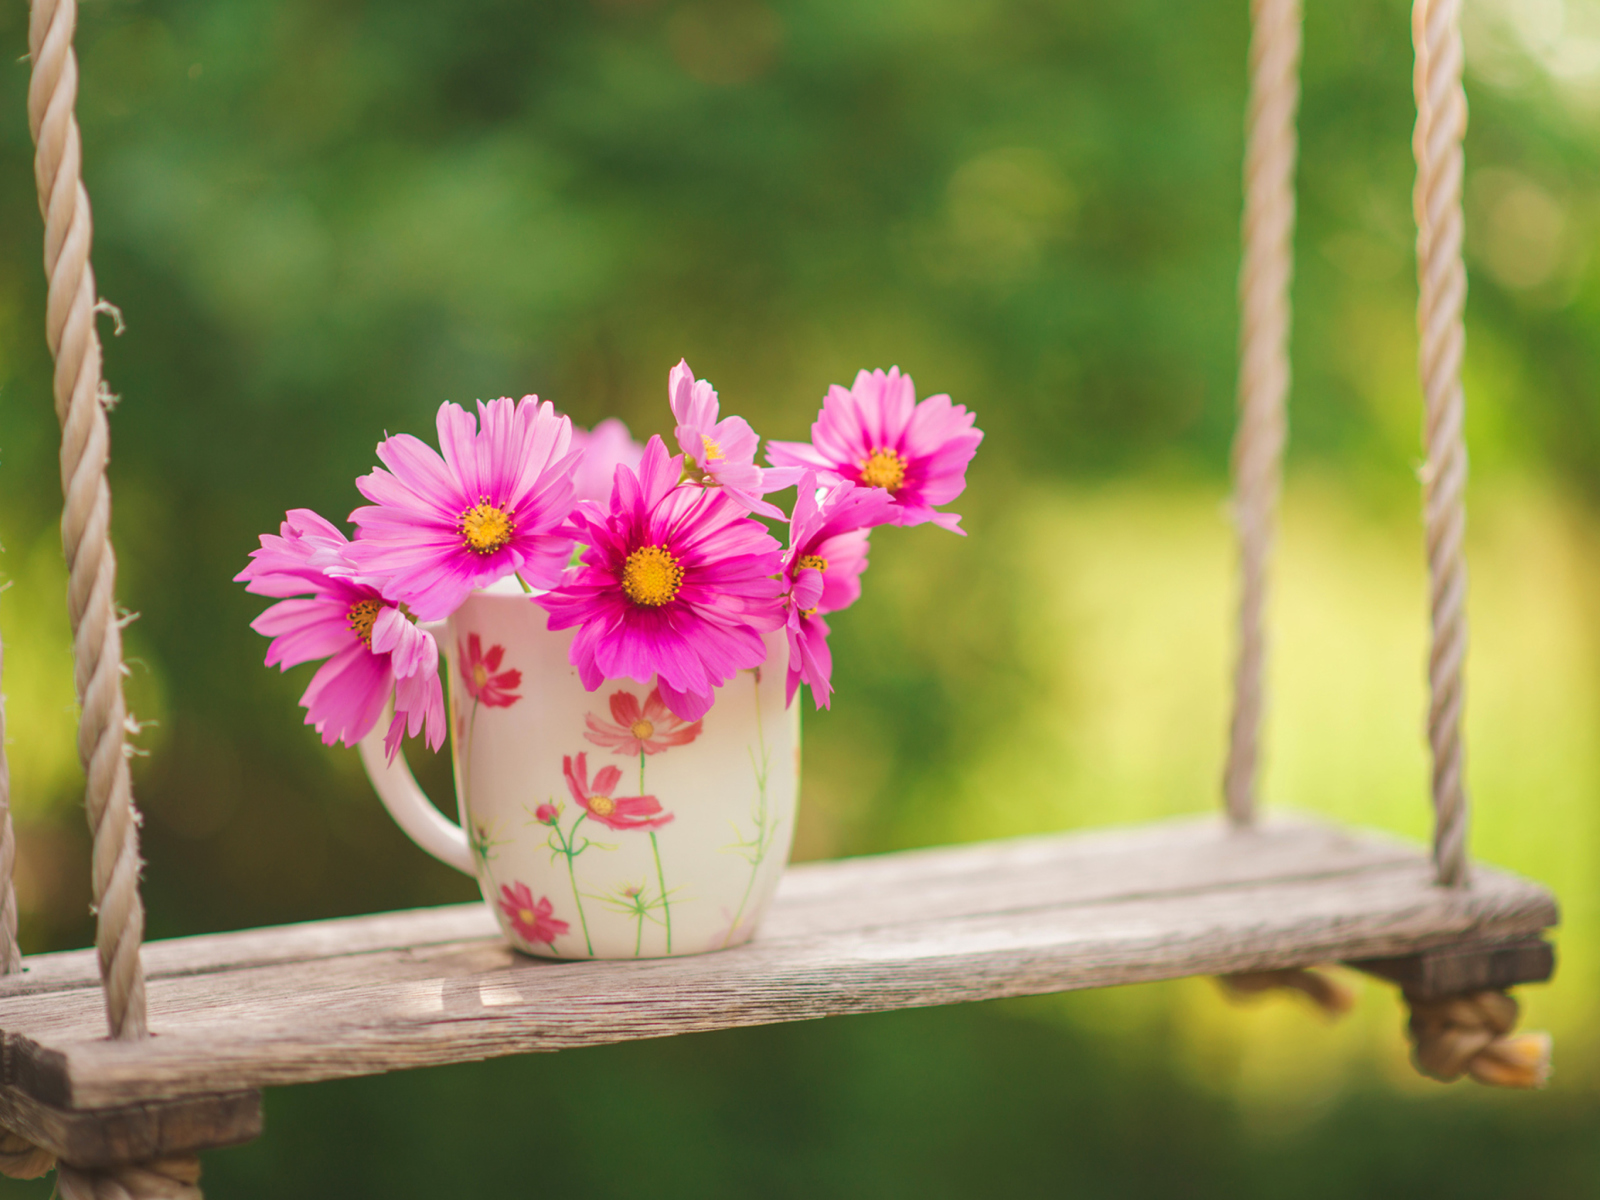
<point>1264,275</point>
<point>174,1178</point>
<point>164,1179</point>
<point>10,953</point>
<point>1442,294</point>
<point>21,1159</point>
<point>1330,995</point>
<point>86,521</point>
<point>96,633</point>
<point>1470,1035</point>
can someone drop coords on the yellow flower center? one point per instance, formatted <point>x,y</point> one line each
<point>480,676</point>
<point>814,561</point>
<point>361,616</point>
<point>885,469</point>
<point>651,576</point>
<point>485,528</point>
<point>642,729</point>
<point>711,449</point>
<point>526,916</point>
<point>602,806</point>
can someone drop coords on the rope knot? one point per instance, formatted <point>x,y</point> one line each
<point>1470,1034</point>
<point>174,1178</point>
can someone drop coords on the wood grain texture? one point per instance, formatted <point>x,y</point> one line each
<point>1474,967</point>
<point>372,994</point>
<point>136,1132</point>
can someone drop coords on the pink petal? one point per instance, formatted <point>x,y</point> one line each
<point>303,630</point>
<point>689,706</point>
<point>624,708</point>
<point>347,695</point>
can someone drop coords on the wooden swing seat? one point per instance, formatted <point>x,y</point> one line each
<point>234,1012</point>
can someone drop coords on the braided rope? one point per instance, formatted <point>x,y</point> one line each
<point>1442,294</point>
<point>165,1179</point>
<point>10,952</point>
<point>1267,265</point>
<point>175,1178</point>
<point>1331,995</point>
<point>21,1159</point>
<point>1471,1035</point>
<point>86,521</point>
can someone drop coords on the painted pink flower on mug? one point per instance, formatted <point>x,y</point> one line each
<point>482,677</point>
<point>534,922</point>
<point>633,730</point>
<point>614,812</point>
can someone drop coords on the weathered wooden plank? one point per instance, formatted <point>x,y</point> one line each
<point>1473,967</point>
<point>135,1132</point>
<point>304,942</point>
<point>1171,856</point>
<point>476,999</point>
<point>844,938</point>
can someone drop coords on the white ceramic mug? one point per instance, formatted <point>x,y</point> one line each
<point>597,824</point>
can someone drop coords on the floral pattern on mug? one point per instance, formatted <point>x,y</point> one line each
<point>482,677</point>
<point>481,837</point>
<point>634,730</point>
<point>534,922</point>
<point>634,901</point>
<point>614,812</point>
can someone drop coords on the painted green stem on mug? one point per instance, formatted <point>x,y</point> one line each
<point>661,878</point>
<point>661,882</point>
<point>566,844</point>
<point>762,843</point>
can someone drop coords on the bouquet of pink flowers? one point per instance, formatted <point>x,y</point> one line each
<point>655,559</point>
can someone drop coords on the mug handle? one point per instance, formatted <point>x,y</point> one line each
<point>409,805</point>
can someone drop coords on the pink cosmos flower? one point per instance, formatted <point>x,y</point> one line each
<point>478,674</point>
<point>602,448</point>
<point>827,553</point>
<point>533,922</point>
<point>724,451</point>
<point>676,584</point>
<point>547,814</point>
<point>374,653</point>
<point>439,526</point>
<point>649,730</point>
<point>877,434</point>
<point>614,812</point>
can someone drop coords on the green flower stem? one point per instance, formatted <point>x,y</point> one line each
<point>661,881</point>
<point>567,842</point>
<point>762,831</point>
<point>466,767</point>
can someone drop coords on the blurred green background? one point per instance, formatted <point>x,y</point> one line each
<point>323,217</point>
